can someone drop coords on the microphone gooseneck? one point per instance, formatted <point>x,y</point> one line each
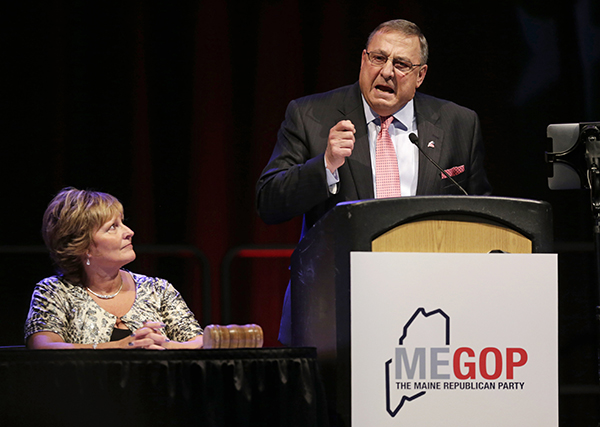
<point>415,140</point>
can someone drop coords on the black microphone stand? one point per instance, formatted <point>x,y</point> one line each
<point>568,142</point>
<point>590,136</point>
<point>595,189</point>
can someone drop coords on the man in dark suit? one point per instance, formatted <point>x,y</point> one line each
<point>326,150</point>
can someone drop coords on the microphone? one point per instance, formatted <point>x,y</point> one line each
<point>415,140</point>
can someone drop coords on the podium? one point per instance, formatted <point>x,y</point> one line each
<point>321,263</point>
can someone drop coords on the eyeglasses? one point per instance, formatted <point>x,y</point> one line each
<point>402,66</point>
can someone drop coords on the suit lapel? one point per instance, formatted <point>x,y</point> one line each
<point>359,163</point>
<point>431,140</point>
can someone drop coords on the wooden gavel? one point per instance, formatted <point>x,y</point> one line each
<point>233,336</point>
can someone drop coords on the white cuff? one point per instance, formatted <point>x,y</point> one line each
<point>332,178</point>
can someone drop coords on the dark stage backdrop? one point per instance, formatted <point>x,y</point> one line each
<point>174,108</point>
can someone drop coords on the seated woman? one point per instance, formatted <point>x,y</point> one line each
<point>93,303</point>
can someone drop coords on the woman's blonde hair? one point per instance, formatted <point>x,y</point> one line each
<point>70,222</point>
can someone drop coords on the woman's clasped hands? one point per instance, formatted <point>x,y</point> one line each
<point>148,337</point>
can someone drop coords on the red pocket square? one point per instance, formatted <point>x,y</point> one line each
<point>456,170</point>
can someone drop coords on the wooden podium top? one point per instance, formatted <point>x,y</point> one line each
<point>451,236</point>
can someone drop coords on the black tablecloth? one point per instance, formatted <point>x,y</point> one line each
<point>242,387</point>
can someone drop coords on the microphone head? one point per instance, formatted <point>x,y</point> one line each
<point>413,138</point>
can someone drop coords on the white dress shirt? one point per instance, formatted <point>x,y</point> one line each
<point>404,123</point>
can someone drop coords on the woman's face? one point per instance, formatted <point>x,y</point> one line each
<point>112,245</point>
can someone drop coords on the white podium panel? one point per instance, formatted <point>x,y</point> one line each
<point>454,339</point>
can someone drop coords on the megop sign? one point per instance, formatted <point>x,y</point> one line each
<point>454,339</point>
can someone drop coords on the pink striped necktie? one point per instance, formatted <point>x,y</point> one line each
<point>387,176</point>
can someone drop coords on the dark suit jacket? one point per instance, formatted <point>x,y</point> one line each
<point>294,181</point>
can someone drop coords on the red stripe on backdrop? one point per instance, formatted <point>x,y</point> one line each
<point>142,173</point>
<point>212,137</point>
<point>280,77</point>
<point>265,253</point>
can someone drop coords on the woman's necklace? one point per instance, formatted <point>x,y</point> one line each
<point>108,296</point>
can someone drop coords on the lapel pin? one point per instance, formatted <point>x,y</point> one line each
<point>431,144</point>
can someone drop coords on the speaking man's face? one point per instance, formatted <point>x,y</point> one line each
<point>386,88</point>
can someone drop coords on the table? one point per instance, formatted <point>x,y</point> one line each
<point>236,387</point>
